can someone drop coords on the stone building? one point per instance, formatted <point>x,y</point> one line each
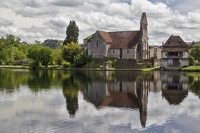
<point>155,52</point>
<point>175,54</point>
<point>120,44</point>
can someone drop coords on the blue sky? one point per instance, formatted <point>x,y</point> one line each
<point>47,19</point>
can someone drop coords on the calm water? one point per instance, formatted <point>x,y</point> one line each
<point>99,102</point>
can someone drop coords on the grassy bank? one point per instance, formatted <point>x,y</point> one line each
<point>14,67</point>
<point>151,69</point>
<point>191,68</point>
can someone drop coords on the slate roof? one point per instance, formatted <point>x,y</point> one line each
<point>121,39</point>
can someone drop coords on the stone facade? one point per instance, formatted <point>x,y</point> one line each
<point>120,44</point>
<point>175,54</point>
<point>155,52</point>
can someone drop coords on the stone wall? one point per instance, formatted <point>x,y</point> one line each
<point>97,47</point>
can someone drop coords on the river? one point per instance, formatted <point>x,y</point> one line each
<point>49,101</point>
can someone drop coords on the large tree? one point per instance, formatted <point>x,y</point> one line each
<point>195,52</point>
<point>70,51</point>
<point>72,33</point>
<point>45,56</point>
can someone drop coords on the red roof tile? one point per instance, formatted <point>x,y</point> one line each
<point>121,39</point>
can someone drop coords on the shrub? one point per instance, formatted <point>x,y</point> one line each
<point>191,61</point>
<point>82,60</point>
<point>66,64</point>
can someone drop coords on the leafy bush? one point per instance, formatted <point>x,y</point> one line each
<point>66,64</point>
<point>82,60</point>
<point>191,61</point>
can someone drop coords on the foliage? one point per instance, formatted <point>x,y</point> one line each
<point>191,60</point>
<point>82,60</point>
<point>34,54</point>
<point>70,51</point>
<point>57,56</point>
<point>19,55</point>
<point>195,52</point>
<point>72,33</point>
<point>54,44</point>
<point>66,64</point>
<point>45,56</point>
<point>7,49</point>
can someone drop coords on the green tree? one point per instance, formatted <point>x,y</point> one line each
<point>33,53</point>
<point>72,33</point>
<point>57,56</point>
<point>82,59</point>
<point>19,55</point>
<point>195,52</point>
<point>45,56</point>
<point>191,60</point>
<point>70,51</point>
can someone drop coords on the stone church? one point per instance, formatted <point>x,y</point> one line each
<point>120,44</point>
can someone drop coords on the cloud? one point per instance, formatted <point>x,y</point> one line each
<point>165,17</point>
<point>58,22</point>
<point>36,12</point>
<point>68,3</point>
<point>5,22</point>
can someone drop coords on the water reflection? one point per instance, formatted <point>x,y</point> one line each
<point>120,91</point>
<point>113,89</point>
<point>174,87</point>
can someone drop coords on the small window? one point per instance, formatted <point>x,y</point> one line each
<point>113,51</point>
<point>155,49</point>
<point>127,51</point>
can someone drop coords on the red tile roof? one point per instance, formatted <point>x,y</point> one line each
<point>121,39</point>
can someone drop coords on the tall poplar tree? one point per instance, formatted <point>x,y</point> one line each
<point>72,33</point>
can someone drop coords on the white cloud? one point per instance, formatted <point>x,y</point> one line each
<point>165,17</point>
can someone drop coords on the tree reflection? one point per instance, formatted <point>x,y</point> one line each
<point>195,85</point>
<point>43,79</point>
<point>12,79</point>
<point>70,89</point>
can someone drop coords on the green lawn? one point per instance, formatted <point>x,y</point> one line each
<point>150,69</point>
<point>191,68</point>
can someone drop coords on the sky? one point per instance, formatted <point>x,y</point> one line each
<point>33,20</point>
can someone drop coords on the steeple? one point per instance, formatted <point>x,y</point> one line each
<point>143,46</point>
<point>144,18</point>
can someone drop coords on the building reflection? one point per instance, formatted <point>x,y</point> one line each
<point>120,93</point>
<point>123,89</point>
<point>174,87</point>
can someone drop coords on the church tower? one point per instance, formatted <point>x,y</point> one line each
<point>143,46</point>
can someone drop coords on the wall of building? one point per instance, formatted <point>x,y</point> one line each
<point>115,53</point>
<point>155,50</point>
<point>97,46</point>
<point>126,53</point>
<point>123,86</point>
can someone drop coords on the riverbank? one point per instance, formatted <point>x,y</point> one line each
<point>91,69</point>
<point>189,68</point>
